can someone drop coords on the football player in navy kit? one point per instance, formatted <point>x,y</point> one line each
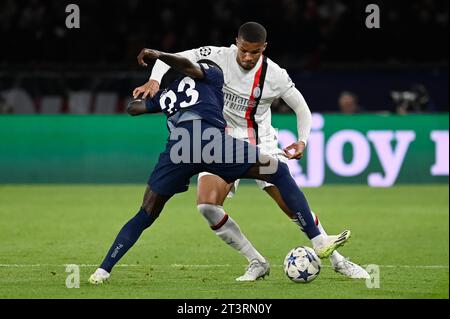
<point>194,105</point>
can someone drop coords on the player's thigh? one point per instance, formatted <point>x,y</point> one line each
<point>212,189</point>
<point>263,169</point>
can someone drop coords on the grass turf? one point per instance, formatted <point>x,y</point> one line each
<point>403,229</point>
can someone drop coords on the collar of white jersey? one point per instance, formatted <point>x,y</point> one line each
<point>254,69</point>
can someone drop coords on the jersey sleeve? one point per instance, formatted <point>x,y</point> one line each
<point>207,52</point>
<point>285,83</point>
<point>295,100</point>
<point>213,75</point>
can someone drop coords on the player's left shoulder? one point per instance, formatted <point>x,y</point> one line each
<point>275,69</point>
<point>276,76</point>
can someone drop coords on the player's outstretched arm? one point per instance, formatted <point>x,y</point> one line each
<point>151,87</point>
<point>175,61</point>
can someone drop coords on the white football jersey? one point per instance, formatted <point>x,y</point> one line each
<point>242,93</point>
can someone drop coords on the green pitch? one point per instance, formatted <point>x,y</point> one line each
<point>404,230</point>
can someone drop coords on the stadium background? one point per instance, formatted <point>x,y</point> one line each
<point>46,68</point>
<point>63,94</point>
<point>324,45</point>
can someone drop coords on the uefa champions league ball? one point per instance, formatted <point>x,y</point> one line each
<point>302,264</point>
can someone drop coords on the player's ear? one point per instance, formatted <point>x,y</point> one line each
<point>265,46</point>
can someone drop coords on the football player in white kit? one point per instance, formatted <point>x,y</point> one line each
<point>252,83</point>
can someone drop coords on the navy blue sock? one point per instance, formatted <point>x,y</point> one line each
<point>294,199</point>
<point>126,238</point>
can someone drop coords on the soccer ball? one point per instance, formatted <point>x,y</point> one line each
<point>302,264</point>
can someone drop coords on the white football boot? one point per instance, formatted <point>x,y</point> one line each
<point>255,270</point>
<point>100,276</point>
<point>351,270</point>
<point>332,243</point>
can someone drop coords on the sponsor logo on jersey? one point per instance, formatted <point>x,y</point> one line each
<point>235,102</point>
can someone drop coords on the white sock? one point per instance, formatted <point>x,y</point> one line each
<point>232,235</point>
<point>102,272</point>
<point>318,241</point>
<point>228,230</point>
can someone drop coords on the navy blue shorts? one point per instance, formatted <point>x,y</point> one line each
<point>195,147</point>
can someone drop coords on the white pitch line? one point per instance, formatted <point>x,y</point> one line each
<point>325,266</point>
<point>202,266</point>
<point>414,266</point>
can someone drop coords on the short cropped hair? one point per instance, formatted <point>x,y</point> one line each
<point>252,32</point>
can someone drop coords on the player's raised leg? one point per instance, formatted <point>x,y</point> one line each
<point>339,263</point>
<point>275,172</point>
<point>152,206</point>
<point>211,193</point>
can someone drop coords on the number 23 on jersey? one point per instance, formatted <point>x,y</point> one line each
<point>169,101</point>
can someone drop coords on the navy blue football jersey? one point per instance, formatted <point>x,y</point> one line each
<point>203,97</point>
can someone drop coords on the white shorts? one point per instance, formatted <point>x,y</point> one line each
<point>268,148</point>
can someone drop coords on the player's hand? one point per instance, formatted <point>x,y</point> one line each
<point>148,89</point>
<point>298,147</point>
<point>147,53</point>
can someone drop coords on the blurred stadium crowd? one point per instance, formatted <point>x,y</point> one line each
<point>47,68</point>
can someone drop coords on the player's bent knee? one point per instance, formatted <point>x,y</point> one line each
<point>154,203</point>
<point>211,197</point>
<point>212,190</point>
<point>282,171</point>
<point>151,210</point>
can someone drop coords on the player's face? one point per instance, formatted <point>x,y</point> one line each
<point>249,53</point>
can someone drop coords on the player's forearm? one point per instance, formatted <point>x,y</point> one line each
<point>160,68</point>
<point>295,100</point>
<point>181,64</point>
